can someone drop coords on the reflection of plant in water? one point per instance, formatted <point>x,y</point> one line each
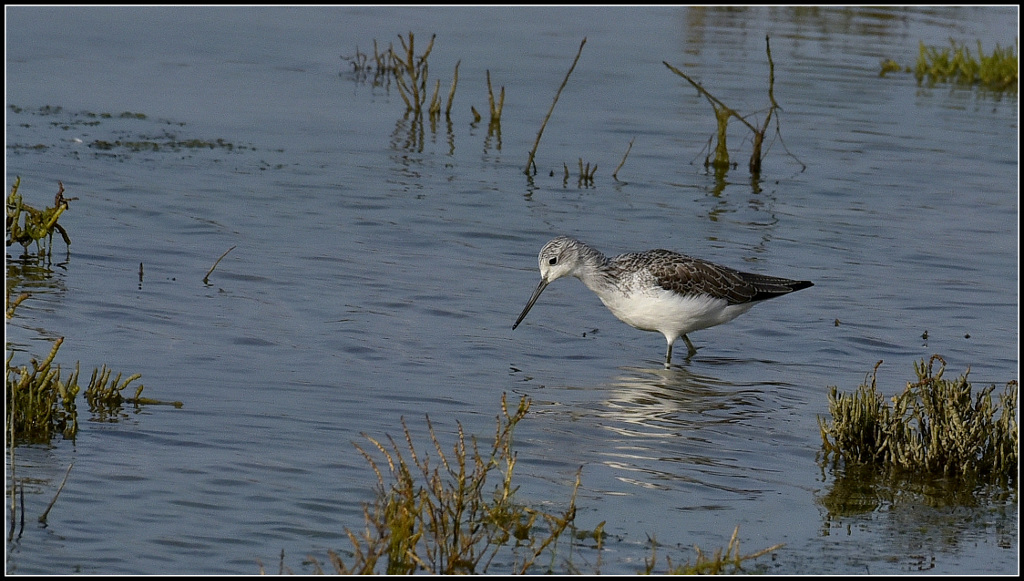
<point>927,513</point>
<point>861,489</point>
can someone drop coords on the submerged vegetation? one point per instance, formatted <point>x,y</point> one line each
<point>997,72</point>
<point>123,137</point>
<point>955,64</point>
<point>934,427</point>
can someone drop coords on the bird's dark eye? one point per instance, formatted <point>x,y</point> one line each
<point>552,261</point>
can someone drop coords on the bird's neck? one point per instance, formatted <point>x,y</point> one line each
<point>594,270</point>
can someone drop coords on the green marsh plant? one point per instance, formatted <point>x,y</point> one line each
<point>727,561</point>
<point>104,396</point>
<point>411,73</point>
<point>955,64</point>
<point>41,404</point>
<point>452,514</point>
<point>27,225</point>
<point>13,305</point>
<point>936,426</point>
<point>457,514</point>
<point>41,401</point>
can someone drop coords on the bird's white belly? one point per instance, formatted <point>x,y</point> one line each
<point>670,313</point>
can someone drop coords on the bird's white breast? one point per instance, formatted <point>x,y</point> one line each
<point>673,314</point>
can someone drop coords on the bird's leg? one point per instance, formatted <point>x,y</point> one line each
<point>693,350</point>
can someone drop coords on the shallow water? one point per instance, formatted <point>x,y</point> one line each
<point>378,267</point>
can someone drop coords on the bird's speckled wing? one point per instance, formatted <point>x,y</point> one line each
<point>687,275</point>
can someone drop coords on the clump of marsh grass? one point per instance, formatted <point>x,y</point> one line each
<point>39,403</point>
<point>410,73</point>
<point>721,562</point>
<point>454,514</point>
<point>890,66</point>
<point>27,225</point>
<point>936,426</point>
<point>955,64</point>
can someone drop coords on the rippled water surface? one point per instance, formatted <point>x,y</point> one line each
<point>379,263</point>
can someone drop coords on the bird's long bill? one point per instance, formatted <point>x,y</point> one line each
<point>533,299</point>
